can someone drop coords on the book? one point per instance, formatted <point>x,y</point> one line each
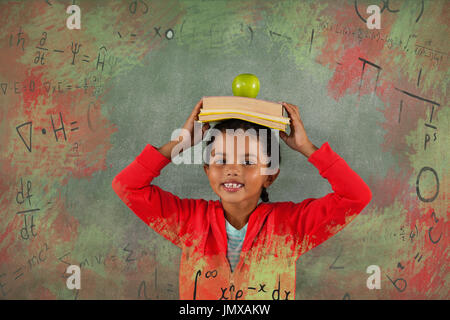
<point>265,113</point>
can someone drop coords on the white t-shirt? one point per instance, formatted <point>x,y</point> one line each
<point>235,241</point>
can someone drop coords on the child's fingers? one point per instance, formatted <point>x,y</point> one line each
<point>196,110</point>
<point>294,108</point>
<point>289,108</point>
<point>292,128</point>
<point>286,107</point>
<point>198,105</point>
<point>205,128</point>
<point>296,114</point>
<point>293,121</point>
<point>292,114</point>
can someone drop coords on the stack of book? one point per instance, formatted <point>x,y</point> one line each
<point>265,113</point>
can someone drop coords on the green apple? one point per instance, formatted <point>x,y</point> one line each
<point>246,85</point>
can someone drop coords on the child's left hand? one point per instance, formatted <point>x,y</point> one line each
<point>297,139</point>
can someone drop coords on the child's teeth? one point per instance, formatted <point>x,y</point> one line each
<point>232,185</point>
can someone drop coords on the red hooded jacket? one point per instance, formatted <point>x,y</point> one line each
<point>277,232</point>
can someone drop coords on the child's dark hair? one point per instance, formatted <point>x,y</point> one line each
<point>245,125</point>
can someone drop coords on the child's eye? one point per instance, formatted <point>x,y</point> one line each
<point>222,161</point>
<point>249,162</point>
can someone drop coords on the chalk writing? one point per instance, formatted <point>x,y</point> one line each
<point>63,258</point>
<point>35,260</point>
<point>363,69</point>
<point>400,110</point>
<point>3,284</point>
<point>427,137</point>
<point>436,56</point>
<point>430,230</point>
<point>400,284</point>
<point>211,274</point>
<point>101,57</point>
<point>414,233</point>
<point>132,37</point>
<point>198,274</point>
<point>419,193</point>
<point>134,5</point>
<point>359,34</point>
<point>311,41</point>
<point>233,293</point>
<point>75,50</point>
<point>28,217</point>
<point>142,290</point>
<point>333,266</point>
<point>57,86</point>
<point>21,197</point>
<point>418,77</point>
<point>41,50</point>
<point>20,39</point>
<point>26,135</point>
<point>128,258</point>
<point>17,274</point>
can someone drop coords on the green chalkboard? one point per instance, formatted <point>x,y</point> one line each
<point>78,105</point>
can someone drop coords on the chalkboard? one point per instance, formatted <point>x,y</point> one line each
<point>77,105</point>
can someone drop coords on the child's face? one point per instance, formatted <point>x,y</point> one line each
<point>239,162</point>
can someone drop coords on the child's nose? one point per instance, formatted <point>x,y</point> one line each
<point>232,169</point>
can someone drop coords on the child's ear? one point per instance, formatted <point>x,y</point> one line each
<point>206,168</point>
<point>271,178</point>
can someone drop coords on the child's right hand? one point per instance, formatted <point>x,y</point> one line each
<point>189,126</point>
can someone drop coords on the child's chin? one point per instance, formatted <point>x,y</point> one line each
<point>231,197</point>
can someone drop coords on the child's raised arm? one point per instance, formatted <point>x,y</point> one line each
<point>315,220</point>
<point>164,212</point>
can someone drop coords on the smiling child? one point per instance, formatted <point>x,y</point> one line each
<point>242,246</point>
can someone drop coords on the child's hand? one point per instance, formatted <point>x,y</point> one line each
<point>189,126</point>
<point>297,139</point>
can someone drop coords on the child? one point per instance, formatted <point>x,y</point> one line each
<point>237,248</point>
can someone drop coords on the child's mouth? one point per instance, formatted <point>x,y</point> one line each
<point>232,187</point>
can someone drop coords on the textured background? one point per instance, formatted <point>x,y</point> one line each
<point>132,75</point>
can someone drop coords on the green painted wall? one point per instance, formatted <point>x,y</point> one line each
<point>132,75</point>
